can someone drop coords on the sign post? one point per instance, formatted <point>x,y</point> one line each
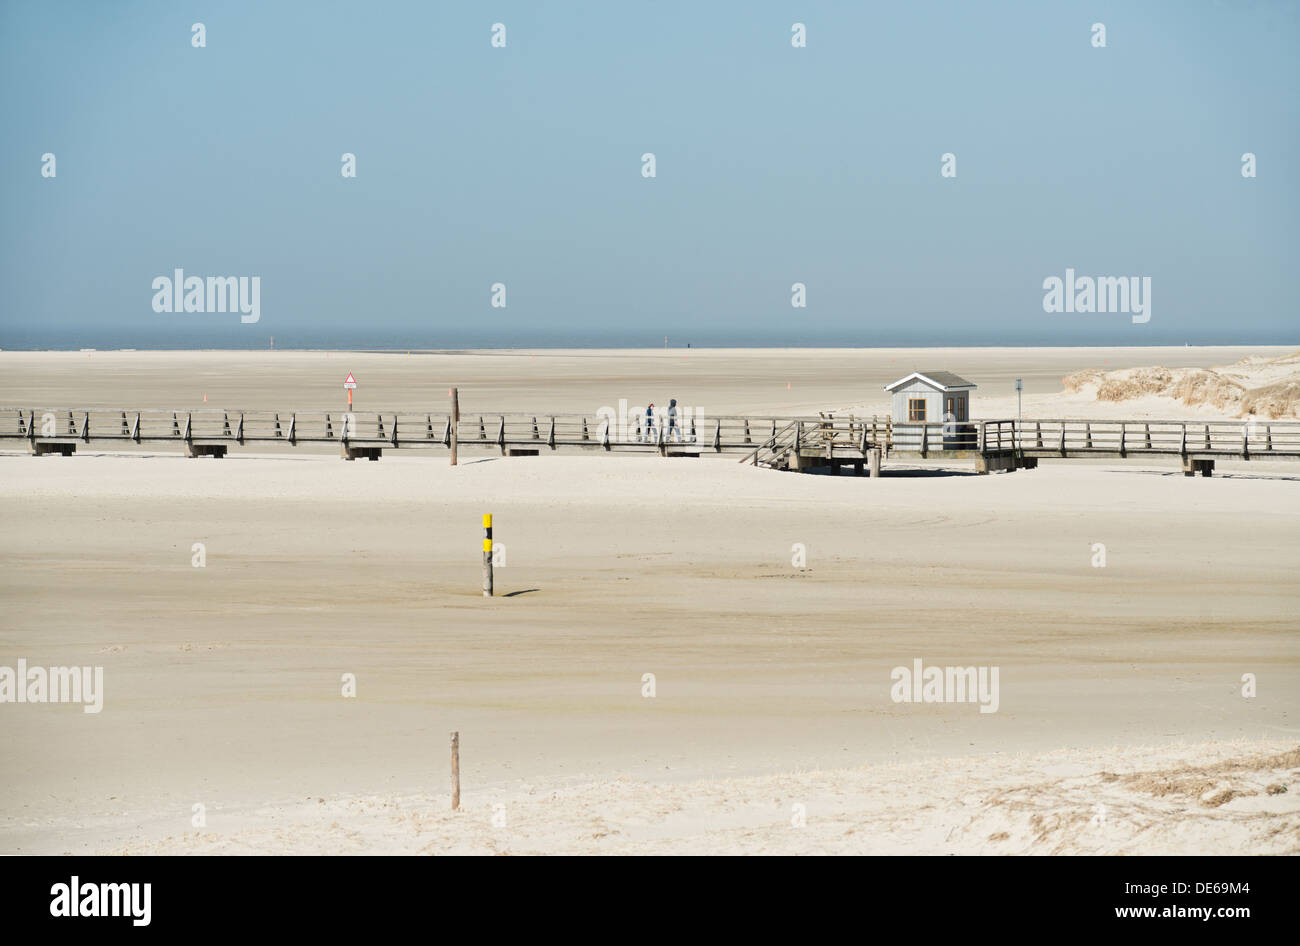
<point>1019,386</point>
<point>350,383</point>
<point>487,555</point>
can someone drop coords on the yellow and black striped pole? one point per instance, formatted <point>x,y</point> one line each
<point>487,554</point>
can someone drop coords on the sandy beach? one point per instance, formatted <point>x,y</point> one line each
<point>1120,685</point>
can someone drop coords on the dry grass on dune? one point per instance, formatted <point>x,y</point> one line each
<point>1264,387</point>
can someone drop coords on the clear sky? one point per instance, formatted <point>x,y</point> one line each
<point>522,165</point>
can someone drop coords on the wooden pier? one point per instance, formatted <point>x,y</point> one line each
<point>790,443</point>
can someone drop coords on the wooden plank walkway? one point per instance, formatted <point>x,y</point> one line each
<point>784,443</point>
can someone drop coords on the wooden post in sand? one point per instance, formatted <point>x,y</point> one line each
<point>455,771</point>
<point>455,420</point>
<point>487,554</point>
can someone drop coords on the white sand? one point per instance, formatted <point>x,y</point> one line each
<point>223,683</point>
<point>1223,797</point>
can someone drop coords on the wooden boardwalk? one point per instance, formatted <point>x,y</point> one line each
<point>795,443</point>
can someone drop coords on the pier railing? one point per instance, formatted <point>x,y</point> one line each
<point>394,429</point>
<point>761,440</point>
<point>1122,438</point>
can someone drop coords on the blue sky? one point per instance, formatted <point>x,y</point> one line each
<point>522,165</point>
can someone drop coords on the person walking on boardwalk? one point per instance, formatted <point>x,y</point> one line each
<point>673,430</point>
<point>650,424</point>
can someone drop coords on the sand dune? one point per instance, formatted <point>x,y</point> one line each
<point>1221,797</point>
<point>1267,387</point>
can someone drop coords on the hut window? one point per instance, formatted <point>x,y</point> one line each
<point>916,409</point>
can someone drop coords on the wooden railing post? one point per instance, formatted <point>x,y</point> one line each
<point>453,421</point>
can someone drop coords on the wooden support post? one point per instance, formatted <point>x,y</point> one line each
<point>454,421</point>
<point>487,555</point>
<point>455,771</point>
<point>874,468</point>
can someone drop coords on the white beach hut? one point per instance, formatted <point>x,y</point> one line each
<point>936,402</point>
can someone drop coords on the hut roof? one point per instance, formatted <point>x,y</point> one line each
<point>943,380</point>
